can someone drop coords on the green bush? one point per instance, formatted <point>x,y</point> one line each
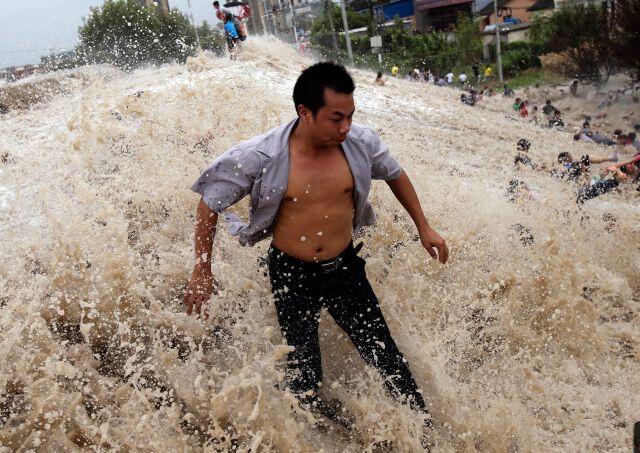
<point>515,61</point>
<point>406,50</point>
<point>128,35</point>
<point>626,36</point>
<point>211,40</point>
<point>583,34</point>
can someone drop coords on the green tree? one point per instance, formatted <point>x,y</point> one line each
<point>626,35</point>
<point>127,35</point>
<point>583,34</point>
<point>211,39</point>
<point>468,43</point>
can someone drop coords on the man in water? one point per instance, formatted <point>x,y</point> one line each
<point>522,158</point>
<point>232,36</point>
<point>309,181</point>
<point>222,12</point>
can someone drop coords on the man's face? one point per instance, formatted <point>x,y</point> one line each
<point>332,122</point>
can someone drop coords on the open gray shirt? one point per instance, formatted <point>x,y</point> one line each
<point>259,167</point>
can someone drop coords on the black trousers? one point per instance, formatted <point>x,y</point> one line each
<point>599,188</point>
<point>301,289</point>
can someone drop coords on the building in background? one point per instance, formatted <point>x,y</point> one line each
<point>440,15</point>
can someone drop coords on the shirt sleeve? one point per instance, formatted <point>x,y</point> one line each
<point>383,165</point>
<point>229,178</point>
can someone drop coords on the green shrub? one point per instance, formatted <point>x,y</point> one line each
<point>583,34</point>
<point>518,57</point>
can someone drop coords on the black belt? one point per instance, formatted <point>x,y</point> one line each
<point>322,267</point>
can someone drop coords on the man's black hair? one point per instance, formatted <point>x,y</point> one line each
<point>216,3</point>
<point>576,137</point>
<point>632,136</point>
<point>548,101</point>
<point>310,86</point>
<point>563,156</point>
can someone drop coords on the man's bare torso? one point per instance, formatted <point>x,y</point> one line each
<point>315,219</point>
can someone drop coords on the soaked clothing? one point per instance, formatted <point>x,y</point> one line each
<point>231,31</point>
<point>259,167</point>
<point>524,159</point>
<point>301,289</point>
<point>599,188</point>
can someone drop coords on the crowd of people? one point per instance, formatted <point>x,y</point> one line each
<point>623,168</point>
<point>616,167</point>
<point>425,75</point>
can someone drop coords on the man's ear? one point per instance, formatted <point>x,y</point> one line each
<point>304,113</point>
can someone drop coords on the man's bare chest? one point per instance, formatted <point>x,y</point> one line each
<point>322,179</point>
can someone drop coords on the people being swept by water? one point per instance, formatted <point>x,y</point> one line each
<point>548,109</point>
<point>507,91</point>
<point>470,98</point>
<point>611,178</point>
<point>522,159</point>
<point>523,111</point>
<point>379,79</point>
<point>573,170</point>
<point>556,120</point>
<point>519,194</point>
<point>309,181</point>
<point>573,89</point>
<point>590,136</point>
<point>231,35</point>
<point>222,12</point>
<point>516,104</point>
<point>533,116</point>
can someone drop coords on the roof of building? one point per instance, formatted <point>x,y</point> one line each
<point>433,4</point>
<point>542,4</point>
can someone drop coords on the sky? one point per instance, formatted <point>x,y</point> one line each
<point>31,28</point>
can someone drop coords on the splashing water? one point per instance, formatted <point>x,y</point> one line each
<point>518,346</point>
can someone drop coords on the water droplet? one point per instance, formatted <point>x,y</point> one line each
<point>319,233</point>
<point>303,238</point>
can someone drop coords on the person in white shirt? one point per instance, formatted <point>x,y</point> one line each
<point>462,78</point>
<point>449,78</point>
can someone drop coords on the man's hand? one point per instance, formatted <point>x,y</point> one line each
<point>201,286</point>
<point>432,241</point>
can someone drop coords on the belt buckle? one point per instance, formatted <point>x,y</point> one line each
<point>332,265</point>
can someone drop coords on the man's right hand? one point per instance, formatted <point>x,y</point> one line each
<point>201,286</point>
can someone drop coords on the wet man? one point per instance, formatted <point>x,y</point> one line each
<point>309,181</point>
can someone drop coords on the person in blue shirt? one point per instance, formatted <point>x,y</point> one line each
<point>232,35</point>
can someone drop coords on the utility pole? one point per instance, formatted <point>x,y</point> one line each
<point>334,37</point>
<point>498,56</point>
<point>293,22</point>
<point>194,24</point>
<point>346,30</point>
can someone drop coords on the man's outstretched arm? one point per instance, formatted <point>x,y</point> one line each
<point>406,195</point>
<point>202,284</point>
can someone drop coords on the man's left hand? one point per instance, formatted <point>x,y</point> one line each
<point>432,241</point>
